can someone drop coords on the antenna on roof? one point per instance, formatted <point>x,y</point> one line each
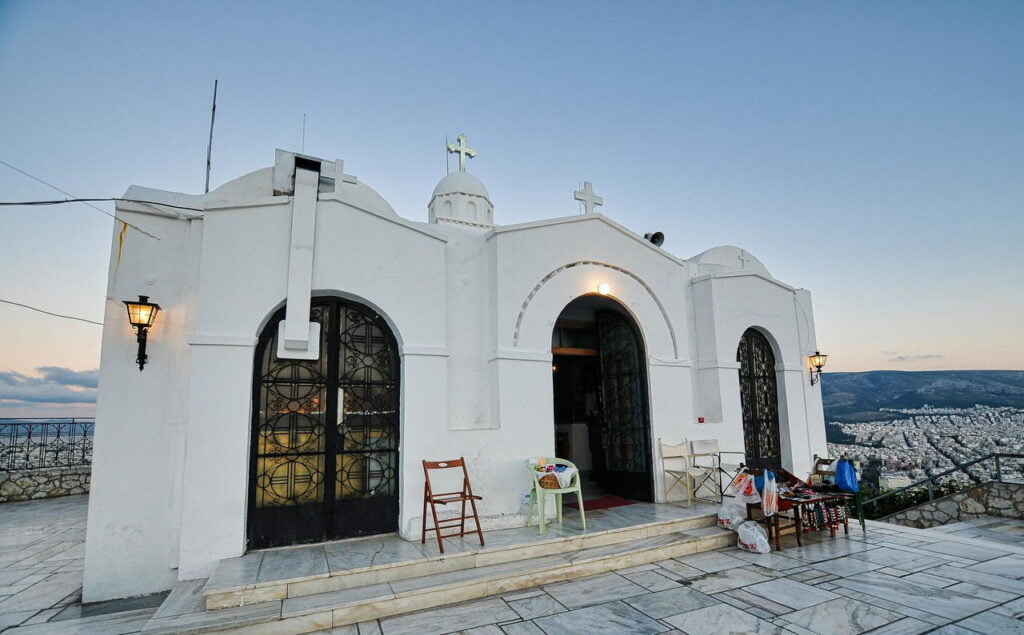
<point>303,147</point>
<point>447,162</point>
<point>209,146</point>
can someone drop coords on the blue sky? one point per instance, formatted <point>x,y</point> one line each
<point>870,152</point>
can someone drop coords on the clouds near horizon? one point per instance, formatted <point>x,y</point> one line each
<point>55,385</point>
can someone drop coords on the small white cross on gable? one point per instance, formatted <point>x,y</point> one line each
<point>587,197</point>
<point>744,259</point>
<point>462,150</point>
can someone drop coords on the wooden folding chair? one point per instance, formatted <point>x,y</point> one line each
<point>444,498</point>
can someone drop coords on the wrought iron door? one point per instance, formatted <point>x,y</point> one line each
<point>625,428</point>
<point>325,432</point>
<point>759,400</point>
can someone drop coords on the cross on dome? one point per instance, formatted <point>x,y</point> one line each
<point>462,150</point>
<point>587,197</point>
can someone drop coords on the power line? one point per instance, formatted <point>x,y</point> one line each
<point>86,200</point>
<point>101,211</point>
<point>66,317</point>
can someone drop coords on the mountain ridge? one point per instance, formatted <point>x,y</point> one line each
<point>860,396</point>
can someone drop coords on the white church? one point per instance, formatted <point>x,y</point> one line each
<point>313,346</point>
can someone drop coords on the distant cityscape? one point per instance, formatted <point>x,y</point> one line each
<point>908,445</point>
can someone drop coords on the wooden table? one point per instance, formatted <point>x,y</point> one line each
<point>776,527</point>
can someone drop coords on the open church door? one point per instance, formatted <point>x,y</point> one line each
<point>625,424</point>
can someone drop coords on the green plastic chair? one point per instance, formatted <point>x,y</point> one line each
<point>538,494</point>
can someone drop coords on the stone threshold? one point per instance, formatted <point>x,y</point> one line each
<point>183,611</point>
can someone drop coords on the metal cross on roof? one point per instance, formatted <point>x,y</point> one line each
<point>462,150</point>
<point>587,197</point>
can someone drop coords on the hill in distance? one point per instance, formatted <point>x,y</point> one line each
<point>852,397</point>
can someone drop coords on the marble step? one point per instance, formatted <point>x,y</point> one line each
<point>185,613</point>
<point>296,572</point>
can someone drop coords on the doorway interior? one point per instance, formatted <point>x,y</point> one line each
<point>601,411</point>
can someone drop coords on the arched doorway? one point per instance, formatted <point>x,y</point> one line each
<point>760,401</point>
<point>602,419</point>
<point>324,456</point>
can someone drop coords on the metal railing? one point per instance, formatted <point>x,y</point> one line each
<point>40,443</point>
<point>932,480</point>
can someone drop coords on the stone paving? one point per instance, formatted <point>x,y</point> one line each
<point>1009,530</point>
<point>892,580</point>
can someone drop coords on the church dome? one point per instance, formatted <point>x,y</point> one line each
<point>461,198</point>
<point>461,183</point>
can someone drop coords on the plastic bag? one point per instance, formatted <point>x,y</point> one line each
<point>752,537</point>
<point>846,477</point>
<point>770,495</point>
<point>743,488</point>
<point>732,514</point>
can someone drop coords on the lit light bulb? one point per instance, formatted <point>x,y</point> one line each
<point>604,288</point>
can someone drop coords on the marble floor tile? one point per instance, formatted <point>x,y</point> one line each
<point>522,628</point>
<point>774,561</point>
<point>846,566</point>
<point>536,606</point>
<point>613,618</point>
<point>990,580</point>
<point>721,618</point>
<point>932,600</point>
<point>593,590</point>
<point>678,570</point>
<point>364,552</point>
<point>992,622</point>
<point>43,594</point>
<point>441,620</point>
<point>754,603</point>
<point>1011,566</point>
<point>670,602</point>
<point>791,593</point>
<point>922,577</point>
<point>292,564</point>
<point>490,629</point>
<point>727,579</point>
<point>713,561</point>
<point>905,626</point>
<point>962,550</point>
<point>1014,608</point>
<point>650,580</point>
<point>842,616</point>
<point>109,624</point>
<point>369,627</point>
<point>995,595</point>
<point>232,573</point>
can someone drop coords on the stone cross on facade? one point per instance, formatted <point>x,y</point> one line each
<point>744,259</point>
<point>462,150</point>
<point>587,197</point>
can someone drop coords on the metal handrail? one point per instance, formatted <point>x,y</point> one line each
<point>959,467</point>
<point>45,442</point>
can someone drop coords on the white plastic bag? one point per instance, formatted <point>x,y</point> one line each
<point>770,495</point>
<point>752,537</point>
<point>743,488</point>
<point>732,513</point>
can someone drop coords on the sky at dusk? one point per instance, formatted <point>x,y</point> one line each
<point>870,152</point>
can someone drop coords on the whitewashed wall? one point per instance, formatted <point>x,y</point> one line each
<point>473,311</point>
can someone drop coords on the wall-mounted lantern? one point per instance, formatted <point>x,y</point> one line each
<point>817,362</point>
<point>141,314</point>
<point>604,288</point>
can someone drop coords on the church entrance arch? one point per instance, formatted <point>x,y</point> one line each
<point>759,399</point>
<point>601,409</point>
<point>324,455</point>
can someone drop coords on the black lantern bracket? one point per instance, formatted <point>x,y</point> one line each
<point>141,315</point>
